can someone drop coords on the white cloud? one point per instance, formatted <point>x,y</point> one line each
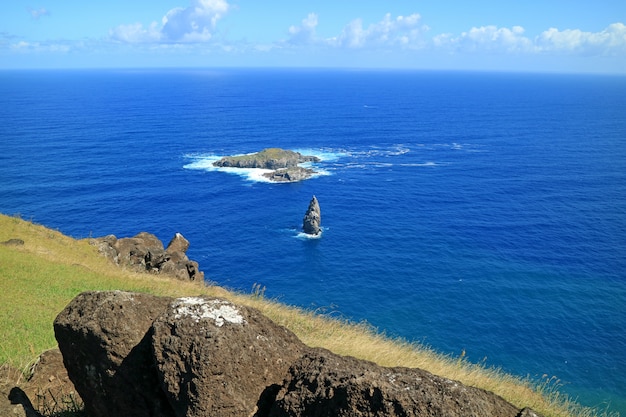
<point>305,33</point>
<point>493,39</point>
<point>486,39</point>
<point>402,30</point>
<point>25,47</point>
<point>37,13</point>
<point>611,40</point>
<point>193,24</point>
<point>136,33</point>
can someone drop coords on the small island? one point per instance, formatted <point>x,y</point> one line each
<point>283,163</point>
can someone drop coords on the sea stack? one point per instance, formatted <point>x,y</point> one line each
<point>313,218</point>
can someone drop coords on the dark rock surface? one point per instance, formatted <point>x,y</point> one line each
<point>106,349</point>
<point>145,252</point>
<point>216,359</point>
<point>324,384</point>
<point>311,224</point>
<point>139,355</point>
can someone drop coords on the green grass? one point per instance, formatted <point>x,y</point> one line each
<point>41,277</point>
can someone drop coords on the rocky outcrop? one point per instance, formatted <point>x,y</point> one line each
<point>284,164</point>
<point>311,224</point>
<point>324,384</point>
<point>140,355</point>
<point>293,174</point>
<point>145,252</point>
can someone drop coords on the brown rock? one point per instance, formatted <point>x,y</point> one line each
<point>145,252</point>
<point>132,251</point>
<point>324,384</point>
<point>216,359</point>
<point>178,244</point>
<point>49,386</point>
<point>106,351</point>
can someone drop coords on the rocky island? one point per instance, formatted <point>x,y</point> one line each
<point>283,163</point>
<point>311,224</point>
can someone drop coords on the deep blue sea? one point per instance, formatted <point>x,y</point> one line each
<point>482,213</point>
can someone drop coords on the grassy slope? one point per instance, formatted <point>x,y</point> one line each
<point>39,278</point>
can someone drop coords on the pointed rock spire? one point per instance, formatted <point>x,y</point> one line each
<point>311,224</point>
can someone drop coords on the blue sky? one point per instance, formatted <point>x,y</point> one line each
<point>491,35</point>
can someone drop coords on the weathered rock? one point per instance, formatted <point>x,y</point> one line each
<point>106,247</point>
<point>132,251</point>
<point>311,224</point>
<point>145,252</point>
<point>292,174</point>
<point>47,388</point>
<point>178,244</point>
<point>106,349</point>
<point>216,359</point>
<point>324,384</point>
<point>49,385</point>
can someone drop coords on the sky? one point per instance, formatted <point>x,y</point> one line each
<point>579,36</point>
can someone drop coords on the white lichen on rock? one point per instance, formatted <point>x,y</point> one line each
<point>199,308</point>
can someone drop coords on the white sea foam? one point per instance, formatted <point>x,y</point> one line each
<point>325,154</point>
<point>425,164</point>
<point>306,236</point>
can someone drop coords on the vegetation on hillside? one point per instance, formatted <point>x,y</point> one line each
<point>38,279</point>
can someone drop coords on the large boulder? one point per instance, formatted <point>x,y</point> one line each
<point>217,359</point>
<point>107,352</point>
<point>324,384</point>
<point>311,224</point>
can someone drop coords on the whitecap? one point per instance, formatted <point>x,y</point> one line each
<point>306,236</point>
<point>324,154</point>
<point>424,164</point>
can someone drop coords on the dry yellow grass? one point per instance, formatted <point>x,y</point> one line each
<point>39,278</point>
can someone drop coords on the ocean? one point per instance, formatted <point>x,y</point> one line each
<point>476,213</point>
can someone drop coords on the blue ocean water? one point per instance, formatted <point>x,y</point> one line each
<point>473,212</point>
